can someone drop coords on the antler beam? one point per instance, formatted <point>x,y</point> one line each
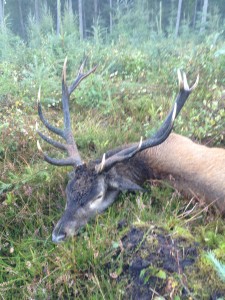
<point>70,146</point>
<point>160,136</point>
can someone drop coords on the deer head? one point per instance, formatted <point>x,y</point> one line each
<point>94,186</point>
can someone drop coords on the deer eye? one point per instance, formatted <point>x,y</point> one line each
<point>95,204</point>
<point>99,197</point>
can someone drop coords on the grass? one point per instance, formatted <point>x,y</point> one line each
<point>32,193</point>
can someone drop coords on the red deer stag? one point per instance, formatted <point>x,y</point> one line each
<point>192,168</point>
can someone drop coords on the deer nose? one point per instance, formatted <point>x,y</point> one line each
<point>59,237</point>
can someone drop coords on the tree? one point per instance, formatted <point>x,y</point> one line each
<point>37,11</point>
<point>81,25</point>
<point>1,13</point>
<point>95,11</point>
<point>204,15</point>
<point>58,17</point>
<point>195,13</point>
<point>21,18</point>
<point>110,16</point>
<point>133,17</point>
<point>70,7</point>
<point>178,17</point>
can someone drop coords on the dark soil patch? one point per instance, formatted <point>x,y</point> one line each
<point>154,263</point>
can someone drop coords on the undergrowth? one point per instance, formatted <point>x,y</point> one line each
<point>128,96</point>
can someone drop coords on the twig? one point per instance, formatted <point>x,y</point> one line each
<point>198,213</point>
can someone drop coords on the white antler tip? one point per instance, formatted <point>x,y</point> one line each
<point>186,86</point>
<point>81,70</point>
<point>174,112</point>
<point>196,83</point>
<point>140,143</point>
<point>39,146</point>
<point>64,70</point>
<point>39,95</point>
<point>100,167</point>
<point>181,83</point>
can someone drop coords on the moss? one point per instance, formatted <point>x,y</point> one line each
<point>203,278</point>
<point>183,232</point>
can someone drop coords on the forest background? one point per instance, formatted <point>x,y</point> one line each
<point>138,47</point>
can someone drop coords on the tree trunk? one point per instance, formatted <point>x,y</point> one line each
<point>110,16</point>
<point>58,17</point>
<point>70,6</point>
<point>204,15</point>
<point>178,18</point>
<point>21,19</point>
<point>160,17</point>
<point>81,25</point>
<point>37,11</point>
<point>1,13</point>
<point>195,13</point>
<point>95,11</point>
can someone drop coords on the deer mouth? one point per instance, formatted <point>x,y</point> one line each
<point>58,238</point>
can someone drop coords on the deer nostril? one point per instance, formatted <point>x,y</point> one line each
<point>57,238</point>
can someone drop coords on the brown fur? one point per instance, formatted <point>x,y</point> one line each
<point>194,169</point>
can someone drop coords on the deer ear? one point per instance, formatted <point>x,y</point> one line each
<point>123,184</point>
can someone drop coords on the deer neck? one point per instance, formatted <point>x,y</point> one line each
<point>193,169</point>
<point>152,163</point>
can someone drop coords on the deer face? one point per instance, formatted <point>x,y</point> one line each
<point>88,194</point>
<point>85,193</point>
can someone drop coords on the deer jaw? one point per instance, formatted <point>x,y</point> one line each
<point>72,220</point>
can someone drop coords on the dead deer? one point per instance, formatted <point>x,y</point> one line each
<point>189,167</point>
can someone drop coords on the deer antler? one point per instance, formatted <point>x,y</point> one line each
<point>160,136</point>
<point>70,146</point>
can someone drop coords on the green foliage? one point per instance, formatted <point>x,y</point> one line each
<point>211,120</point>
<point>69,23</point>
<point>37,30</point>
<point>218,266</point>
<point>37,74</point>
<point>128,96</point>
<point>132,21</point>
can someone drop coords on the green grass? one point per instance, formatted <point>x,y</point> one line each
<point>105,112</point>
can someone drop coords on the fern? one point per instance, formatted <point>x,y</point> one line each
<point>218,266</point>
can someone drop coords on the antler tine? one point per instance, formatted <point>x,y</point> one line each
<point>70,146</point>
<point>184,91</point>
<point>195,84</point>
<point>102,165</point>
<point>161,135</point>
<point>57,162</point>
<point>80,76</point>
<point>42,118</point>
<point>50,141</point>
